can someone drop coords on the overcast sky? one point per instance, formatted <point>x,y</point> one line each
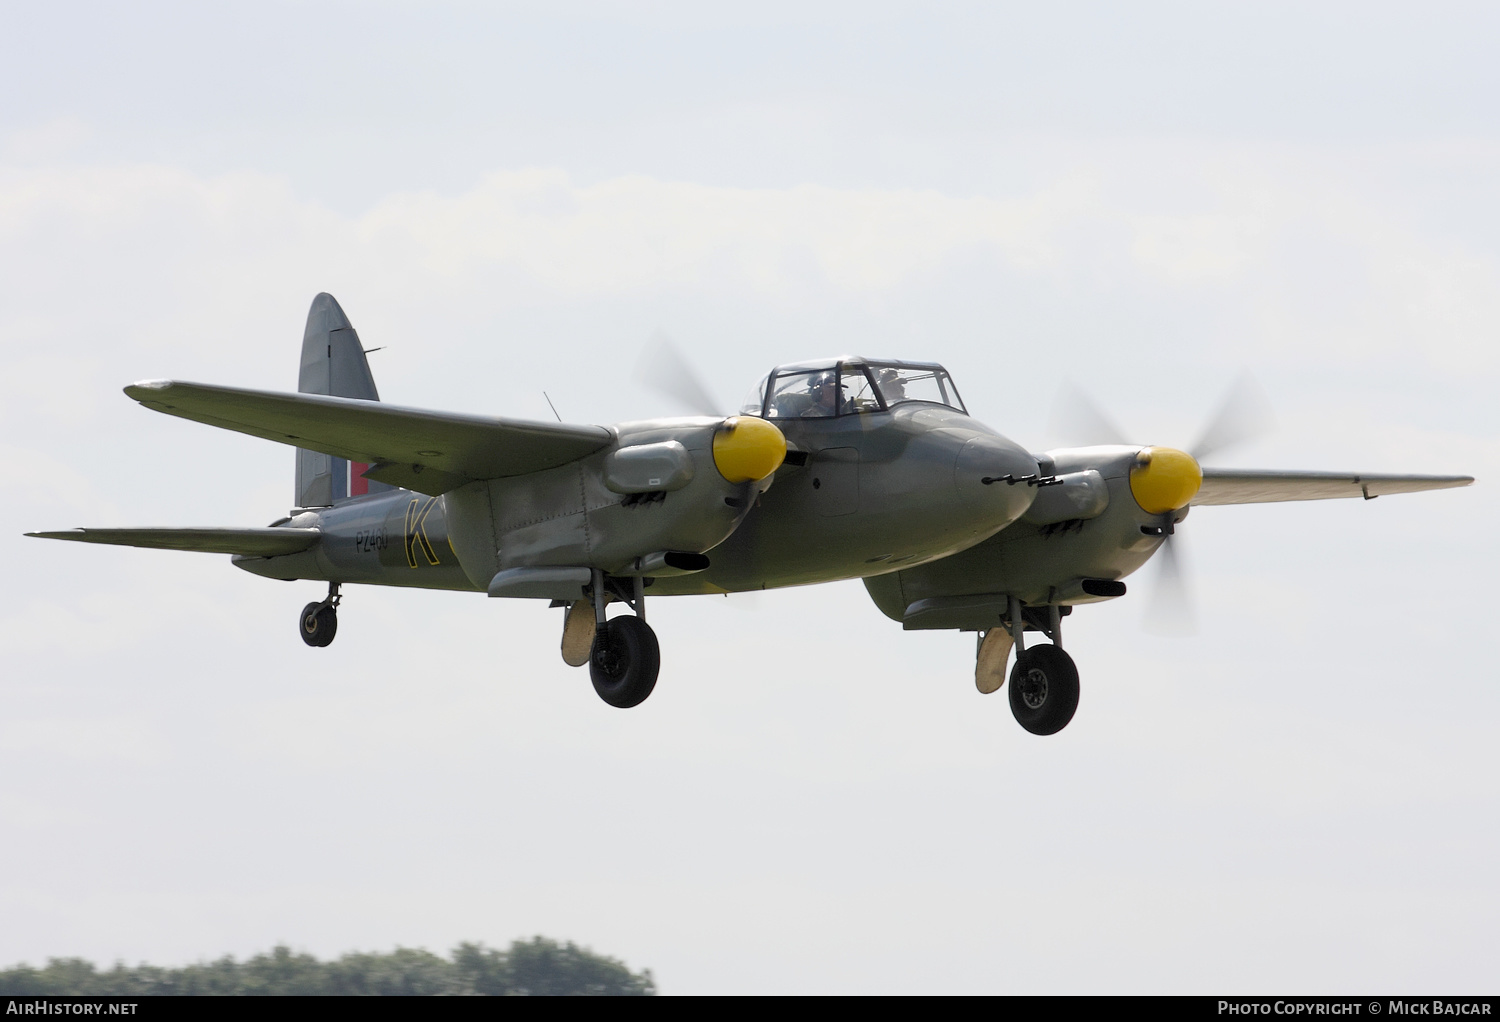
<point>1141,200</point>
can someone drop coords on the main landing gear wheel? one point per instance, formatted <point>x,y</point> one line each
<point>319,624</point>
<point>1044,690</point>
<point>625,661</point>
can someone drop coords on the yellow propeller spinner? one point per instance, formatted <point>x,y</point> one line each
<point>747,448</point>
<point>1164,479</point>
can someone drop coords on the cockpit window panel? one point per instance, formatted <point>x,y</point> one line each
<point>803,395</point>
<point>858,393</point>
<point>900,383</point>
<point>755,401</point>
<point>814,390</point>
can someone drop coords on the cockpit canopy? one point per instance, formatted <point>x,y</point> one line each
<point>848,386</point>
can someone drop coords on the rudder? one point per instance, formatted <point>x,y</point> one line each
<point>333,363</point>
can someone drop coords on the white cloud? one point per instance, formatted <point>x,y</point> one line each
<point>167,258</point>
<point>452,742</point>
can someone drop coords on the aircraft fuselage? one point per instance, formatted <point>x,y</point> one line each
<point>862,495</point>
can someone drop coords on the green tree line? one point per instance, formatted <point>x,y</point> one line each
<point>538,966</point>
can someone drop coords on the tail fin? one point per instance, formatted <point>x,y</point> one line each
<point>333,363</point>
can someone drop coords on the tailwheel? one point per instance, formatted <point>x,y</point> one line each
<point>320,621</point>
<point>1044,689</point>
<point>624,661</point>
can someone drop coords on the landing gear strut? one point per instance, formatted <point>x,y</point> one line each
<point>320,621</point>
<point>1044,681</point>
<point>625,657</point>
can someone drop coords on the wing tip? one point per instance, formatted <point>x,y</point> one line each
<point>143,390</point>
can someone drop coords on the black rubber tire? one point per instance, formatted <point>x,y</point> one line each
<point>625,661</point>
<point>318,624</point>
<point>1043,690</point>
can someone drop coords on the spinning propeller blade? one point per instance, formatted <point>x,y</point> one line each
<point>1078,421</point>
<point>1243,415</point>
<point>1170,611</point>
<point>665,369</point>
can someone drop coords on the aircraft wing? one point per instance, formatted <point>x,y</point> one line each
<point>430,452</point>
<point>251,542</point>
<point>1255,486</point>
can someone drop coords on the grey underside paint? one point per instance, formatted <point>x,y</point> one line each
<point>841,516</point>
<point>396,539</point>
<point>1256,486</point>
<point>876,491</point>
<point>919,494</point>
<point>1044,565</point>
<point>376,540</point>
<point>1037,564</point>
<point>569,515</point>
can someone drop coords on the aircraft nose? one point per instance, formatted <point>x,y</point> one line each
<point>985,473</point>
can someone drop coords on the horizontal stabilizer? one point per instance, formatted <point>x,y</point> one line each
<point>430,452</point>
<point>1254,486</point>
<point>249,542</point>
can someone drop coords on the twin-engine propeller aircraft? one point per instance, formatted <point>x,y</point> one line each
<point>879,473</point>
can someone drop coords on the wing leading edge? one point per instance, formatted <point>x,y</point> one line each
<point>250,542</point>
<point>1255,486</point>
<point>430,452</point>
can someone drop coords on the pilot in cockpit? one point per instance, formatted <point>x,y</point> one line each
<point>824,391</point>
<point>892,386</point>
